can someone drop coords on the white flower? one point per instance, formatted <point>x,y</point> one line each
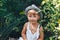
<point>57,6</point>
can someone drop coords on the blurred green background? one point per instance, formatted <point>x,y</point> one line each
<point>12,17</point>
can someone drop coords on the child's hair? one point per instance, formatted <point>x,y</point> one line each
<point>33,7</point>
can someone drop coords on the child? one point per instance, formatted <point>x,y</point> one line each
<point>32,30</point>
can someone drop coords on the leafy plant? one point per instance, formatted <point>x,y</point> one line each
<point>50,18</point>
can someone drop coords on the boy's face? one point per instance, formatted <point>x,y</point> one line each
<point>33,16</point>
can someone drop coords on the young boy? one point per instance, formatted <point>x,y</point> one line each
<point>32,30</point>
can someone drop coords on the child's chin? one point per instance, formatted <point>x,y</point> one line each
<point>33,22</point>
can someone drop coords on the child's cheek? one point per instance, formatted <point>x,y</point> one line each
<point>28,17</point>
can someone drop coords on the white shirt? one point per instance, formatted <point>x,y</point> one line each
<point>30,35</point>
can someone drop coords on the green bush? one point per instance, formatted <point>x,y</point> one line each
<point>51,14</point>
<point>12,17</point>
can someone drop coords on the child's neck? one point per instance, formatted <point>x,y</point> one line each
<point>35,23</point>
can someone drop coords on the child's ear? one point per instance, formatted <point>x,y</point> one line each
<point>38,17</point>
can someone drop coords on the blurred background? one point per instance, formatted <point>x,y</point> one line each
<point>12,18</point>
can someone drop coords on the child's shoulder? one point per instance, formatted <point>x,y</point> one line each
<point>26,24</point>
<point>40,26</point>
